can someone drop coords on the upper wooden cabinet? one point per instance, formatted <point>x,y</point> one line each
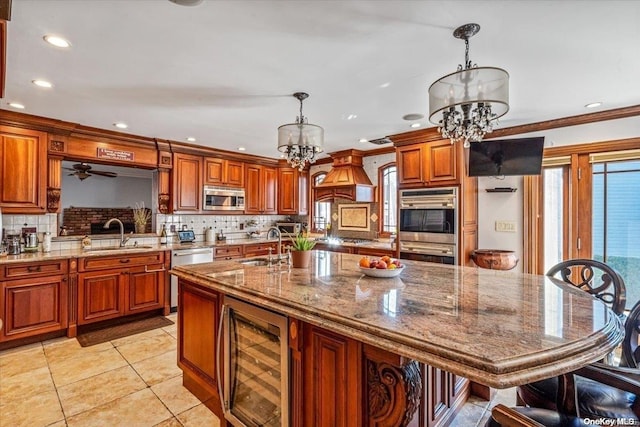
<point>223,172</point>
<point>23,166</point>
<point>187,183</point>
<point>261,190</point>
<point>293,190</point>
<point>432,163</point>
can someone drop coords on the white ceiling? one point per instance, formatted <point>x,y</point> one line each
<point>224,71</point>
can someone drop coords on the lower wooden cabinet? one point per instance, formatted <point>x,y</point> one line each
<point>258,249</point>
<point>376,252</point>
<point>228,252</point>
<point>33,306</point>
<point>334,248</point>
<point>114,286</point>
<point>198,321</point>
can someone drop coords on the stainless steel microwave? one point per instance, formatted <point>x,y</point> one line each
<point>223,199</point>
<point>289,229</point>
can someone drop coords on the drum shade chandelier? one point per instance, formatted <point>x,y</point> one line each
<point>300,141</point>
<point>467,104</point>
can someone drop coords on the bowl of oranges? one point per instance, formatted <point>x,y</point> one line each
<point>380,267</point>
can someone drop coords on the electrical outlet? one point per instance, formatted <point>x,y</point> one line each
<point>506,226</point>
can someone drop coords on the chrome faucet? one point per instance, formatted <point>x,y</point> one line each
<point>279,234</point>
<point>123,240</point>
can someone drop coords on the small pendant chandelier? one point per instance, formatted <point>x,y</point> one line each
<point>467,104</point>
<point>300,141</point>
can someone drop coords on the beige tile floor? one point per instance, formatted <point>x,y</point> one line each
<point>133,381</point>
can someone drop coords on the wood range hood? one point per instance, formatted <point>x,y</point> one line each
<point>346,179</point>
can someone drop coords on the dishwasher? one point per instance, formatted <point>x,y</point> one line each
<point>184,257</point>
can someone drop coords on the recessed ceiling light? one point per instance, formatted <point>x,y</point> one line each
<point>415,125</point>
<point>352,116</point>
<point>241,149</point>
<point>56,41</point>
<point>16,105</point>
<point>364,140</point>
<point>191,139</point>
<point>413,116</point>
<point>121,125</point>
<point>385,85</point>
<point>42,83</point>
<point>593,105</point>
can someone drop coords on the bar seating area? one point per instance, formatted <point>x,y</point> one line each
<point>603,390</point>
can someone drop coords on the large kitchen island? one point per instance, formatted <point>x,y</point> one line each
<point>391,351</point>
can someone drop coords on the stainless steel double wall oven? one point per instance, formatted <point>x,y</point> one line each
<point>429,224</point>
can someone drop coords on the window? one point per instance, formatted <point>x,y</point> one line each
<point>616,220</point>
<point>321,215</point>
<point>388,196</point>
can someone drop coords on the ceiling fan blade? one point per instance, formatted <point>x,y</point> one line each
<point>103,173</point>
<point>70,169</point>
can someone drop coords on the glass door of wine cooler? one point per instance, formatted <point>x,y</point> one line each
<point>256,366</point>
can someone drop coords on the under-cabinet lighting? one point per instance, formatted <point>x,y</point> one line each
<point>56,41</point>
<point>16,105</point>
<point>42,83</point>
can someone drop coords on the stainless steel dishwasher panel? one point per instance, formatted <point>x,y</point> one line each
<point>186,257</point>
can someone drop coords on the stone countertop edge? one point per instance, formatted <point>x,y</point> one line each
<point>508,373</point>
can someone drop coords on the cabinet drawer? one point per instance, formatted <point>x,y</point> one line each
<point>35,269</point>
<point>120,261</point>
<point>227,252</point>
<point>259,249</point>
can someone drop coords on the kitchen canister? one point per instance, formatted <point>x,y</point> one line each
<point>46,242</point>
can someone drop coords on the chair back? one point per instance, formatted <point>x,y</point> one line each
<point>594,277</point>
<point>630,348</point>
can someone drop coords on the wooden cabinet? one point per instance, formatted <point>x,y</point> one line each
<point>228,252</point>
<point>432,163</point>
<point>33,299</point>
<point>376,252</point>
<point>293,192</point>
<point>261,190</point>
<point>114,286</point>
<point>442,395</point>
<point>198,320</point>
<point>335,248</point>
<point>331,373</point>
<point>223,172</point>
<point>187,183</point>
<point>23,170</point>
<point>258,249</point>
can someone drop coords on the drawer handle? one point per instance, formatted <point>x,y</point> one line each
<point>124,261</point>
<point>154,271</point>
<point>33,268</point>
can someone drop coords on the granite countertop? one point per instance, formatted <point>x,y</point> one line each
<point>497,328</point>
<point>81,253</point>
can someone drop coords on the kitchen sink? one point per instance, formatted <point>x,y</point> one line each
<point>255,261</point>
<point>117,248</point>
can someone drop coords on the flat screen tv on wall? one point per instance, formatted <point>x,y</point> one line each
<point>522,156</point>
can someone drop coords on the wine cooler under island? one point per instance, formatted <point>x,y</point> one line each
<point>329,346</point>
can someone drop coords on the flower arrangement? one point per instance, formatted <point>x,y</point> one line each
<point>302,243</point>
<point>141,216</point>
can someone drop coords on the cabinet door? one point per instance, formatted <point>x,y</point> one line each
<point>411,161</point>
<point>442,163</point>
<point>33,306</point>
<point>377,252</point>
<point>213,171</point>
<point>270,188</point>
<point>252,194</point>
<point>101,295</point>
<point>187,183</point>
<point>436,394</point>
<point>198,317</point>
<point>23,170</point>
<point>234,176</point>
<point>288,191</point>
<point>259,249</point>
<point>331,371</point>
<point>146,288</point>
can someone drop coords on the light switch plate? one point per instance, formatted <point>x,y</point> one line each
<point>506,226</point>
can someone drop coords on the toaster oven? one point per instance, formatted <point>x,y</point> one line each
<point>289,229</point>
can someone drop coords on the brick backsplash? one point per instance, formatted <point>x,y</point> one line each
<point>78,220</point>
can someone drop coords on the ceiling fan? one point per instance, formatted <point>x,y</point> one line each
<point>84,171</point>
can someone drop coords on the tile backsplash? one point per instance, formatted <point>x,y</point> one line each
<point>13,224</point>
